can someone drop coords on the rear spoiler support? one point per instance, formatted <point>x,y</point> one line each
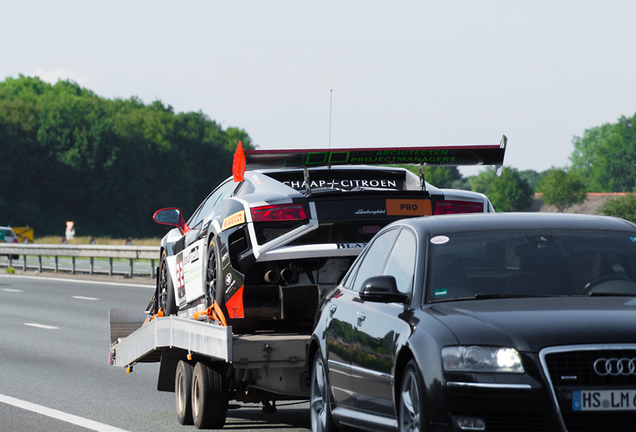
<point>422,180</point>
<point>307,180</point>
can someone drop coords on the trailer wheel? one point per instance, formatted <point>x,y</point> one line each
<point>183,392</point>
<point>165,289</point>
<point>209,397</point>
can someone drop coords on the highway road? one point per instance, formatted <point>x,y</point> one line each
<point>54,373</point>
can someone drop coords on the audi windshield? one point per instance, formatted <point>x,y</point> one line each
<point>531,264</point>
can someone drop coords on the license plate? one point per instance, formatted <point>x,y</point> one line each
<point>604,400</point>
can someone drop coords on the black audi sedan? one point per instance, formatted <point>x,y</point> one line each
<point>488,322</point>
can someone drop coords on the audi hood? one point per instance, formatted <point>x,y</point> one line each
<point>530,324</point>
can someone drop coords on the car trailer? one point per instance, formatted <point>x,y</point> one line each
<point>207,366</point>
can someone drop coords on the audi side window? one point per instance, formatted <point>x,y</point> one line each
<point>401,261</point>
<point>347,281</point>
<point>372,261</point>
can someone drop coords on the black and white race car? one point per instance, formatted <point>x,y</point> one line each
<point>264,246</point>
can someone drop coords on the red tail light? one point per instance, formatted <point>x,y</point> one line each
<point>15,240</point>
<point>279,213</point>
<point>451,207</point>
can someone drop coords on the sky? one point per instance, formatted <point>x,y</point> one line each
<point>303,74</point>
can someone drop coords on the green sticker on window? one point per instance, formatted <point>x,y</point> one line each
<point>1,235</point>
<point>440,292</point>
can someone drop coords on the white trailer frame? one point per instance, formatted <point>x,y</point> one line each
<point>262,367</point>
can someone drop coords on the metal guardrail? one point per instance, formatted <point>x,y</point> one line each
<point>74,251</point>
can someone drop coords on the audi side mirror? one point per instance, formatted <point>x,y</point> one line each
<point>382,289</point>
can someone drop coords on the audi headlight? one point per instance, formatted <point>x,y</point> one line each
<point>481,359</point>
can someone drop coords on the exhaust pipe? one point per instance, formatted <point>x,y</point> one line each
<point>287,274</point>
<point>272,277</point>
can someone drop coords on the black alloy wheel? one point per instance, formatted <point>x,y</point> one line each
<point>211,274</point>
<point>412,411</point>
<point>165,289</point>
<point>321,420</point>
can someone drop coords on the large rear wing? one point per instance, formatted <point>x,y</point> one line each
<point>456,155</point>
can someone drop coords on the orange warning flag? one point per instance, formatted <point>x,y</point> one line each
<point>238,167</point>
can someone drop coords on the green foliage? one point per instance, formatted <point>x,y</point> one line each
<point>508,192</point>
<point>68,154</point>
<point>622,207</point>
<point>562,189</point>
<point>604,157</point>
<point>532,177</point>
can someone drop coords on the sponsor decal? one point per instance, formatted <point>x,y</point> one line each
<point>384,156</point>
<point>371,212</point>
<point>191,256</point>
<point>346,184</point>
<point>228,279</point>
<point>351,245</point>
<point>233,220</point>
<point>180,279</point>
<point>439,240</point>
<point>408,207</point>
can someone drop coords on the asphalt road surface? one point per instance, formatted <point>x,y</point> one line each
<point>54,372</point>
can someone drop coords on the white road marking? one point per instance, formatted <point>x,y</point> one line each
<point>42,326</point>
<point>11,290</point>
<point>65,417</point>
<point>84,298</point>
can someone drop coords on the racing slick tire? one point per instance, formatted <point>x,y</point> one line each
<point>165,289</point>
<point>210,397</point>
<point>183,392</point>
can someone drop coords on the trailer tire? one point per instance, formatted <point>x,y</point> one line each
<point>183,392</point>
<point>165,289</point>
<point>209,397</point>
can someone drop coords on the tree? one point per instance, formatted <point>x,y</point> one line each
<point>622,207</point>
<point>604,158</point>
<point>562,189</point>
<point>532,177</point>
<point>507,192</point>
<point>69,154</point>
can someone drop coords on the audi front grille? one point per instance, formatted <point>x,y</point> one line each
<point>591,367</point>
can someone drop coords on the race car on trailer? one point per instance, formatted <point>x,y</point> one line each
<point>267,243</point>
<point>239,283</point>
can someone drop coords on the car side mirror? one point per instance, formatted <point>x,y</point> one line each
<point>171,216</point>
<point>382,289</point>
